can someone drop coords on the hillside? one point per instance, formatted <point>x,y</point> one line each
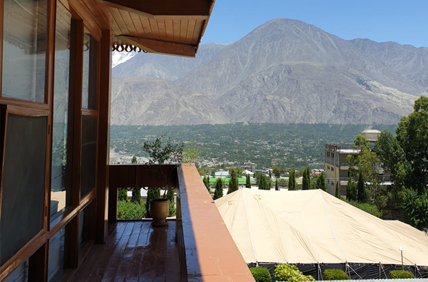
<point>285,71</point>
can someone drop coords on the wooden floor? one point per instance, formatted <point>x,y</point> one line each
<point>134,251</point>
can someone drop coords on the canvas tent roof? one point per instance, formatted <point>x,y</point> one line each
<point>314,227</point>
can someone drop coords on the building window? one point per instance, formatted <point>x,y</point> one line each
<point>24,50</point>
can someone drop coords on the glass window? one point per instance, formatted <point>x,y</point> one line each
<point>24,49</point>
<point>90,72</point>
<point>23,183</point>
<point>62,118</point>
<point>89,154</point>
<point>56,256</point>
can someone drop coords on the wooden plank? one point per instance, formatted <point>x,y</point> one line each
<point>97,15</point>
<point>119,20</point>
<point>104,137</point>
<point>162,29</point>
<point>147,28</point>
<point>126,17</point>
<point>161,47</point>
<point>176,28</point>
<point>190,32</point>
<point>136,265</point>
<point>151,8</point>
<point>128,253</point>
<point>169,30</point>
<point>87,18</point>
<point>183,31</point>
<point>137,24</point>
<point>38,266</point>
<point>116,257</point>
<point>155,29</point>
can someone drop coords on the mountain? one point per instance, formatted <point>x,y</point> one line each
<point>285,71</point>
<point>154,101</point>
<point>165,67</point>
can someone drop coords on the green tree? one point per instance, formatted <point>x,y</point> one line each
<point>136,195</point>
<point>276,171</point>
<point>361,190</point>
<point>233,182</point>
<point>321,182</point>
<point>218,193</point>
<point>415,208</point>
<point>337,193</point>
<point>351,191</point>
<point>276,185</point>
<point>292,180</point>
<point>263,182</point>
<point>412,134</point>
<point>170,197</point>
<point>306,181</point>
<point>151,195</point>
<point>122,195</point>
<point>248,182</point>
<point>206,181</point>
<point>134,160</point>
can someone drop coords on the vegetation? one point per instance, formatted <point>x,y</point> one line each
<point>306,181</point>
<point>267,145</point>
<point>122,195</point>
<point>335,274</point>
<point>320,183</point>
<point>263,182</point>
<point>233,182</point>
<point>218,193</point>
<point>130,210</point>
<point>276,185</point>
<point>369,208</point>
<point>206,181</point>
<point>248,181</point>
<point>400,274</point>
<point>292,179</point>
<point>261,274</point>
<point>286,272</point>
<point>351,190</point>
<point>336,193</point>
<point>406,157</point>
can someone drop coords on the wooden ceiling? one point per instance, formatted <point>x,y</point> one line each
<point>173,27</point>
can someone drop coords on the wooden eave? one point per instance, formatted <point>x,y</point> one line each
<point>173,27</point>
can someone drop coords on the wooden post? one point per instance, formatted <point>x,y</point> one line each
<point>104,137</point>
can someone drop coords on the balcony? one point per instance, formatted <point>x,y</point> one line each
<point>196,246</point>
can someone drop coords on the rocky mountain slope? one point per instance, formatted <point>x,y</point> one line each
<point>285,71</point>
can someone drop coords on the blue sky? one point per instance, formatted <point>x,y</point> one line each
<point>404,21</point>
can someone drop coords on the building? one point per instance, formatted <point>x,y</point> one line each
<point>336,167</point>
<point>58,208</point>
<point>222,174</point>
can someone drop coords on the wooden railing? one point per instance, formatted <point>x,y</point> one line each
<point>207,251</point>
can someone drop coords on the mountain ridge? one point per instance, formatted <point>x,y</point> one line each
<point>285,71</point>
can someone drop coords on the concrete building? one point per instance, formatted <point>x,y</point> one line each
<point>336,167</point>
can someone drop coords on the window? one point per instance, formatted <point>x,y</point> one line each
<point>24,50</point>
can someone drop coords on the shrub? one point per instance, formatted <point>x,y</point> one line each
<point>130,210</point>
<point>369,208</point>
<point>260,274</point>
<point>122,195</point>
<point>400,274</point>
<point>286,272</point>
<point>335,274</point>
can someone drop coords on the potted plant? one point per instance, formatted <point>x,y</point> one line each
<point>159,154</point>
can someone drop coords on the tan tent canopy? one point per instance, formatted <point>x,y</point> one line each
<point>314,227</point>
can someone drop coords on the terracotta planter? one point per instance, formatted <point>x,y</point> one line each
<point>159,209</point>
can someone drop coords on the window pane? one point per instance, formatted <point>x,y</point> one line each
<point>89,153</point>
<point>63,118</point>
<point>56,256</point>
<point>24,49</point>
<point>23,183</point>
<point>90,72</point>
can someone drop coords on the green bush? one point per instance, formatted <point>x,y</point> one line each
<point>400,274</point>
<point>286,272</point>
<point>335,274</point>
<point>369,208</point>
<point>260,274</point>
<point>122,195</point>
<point>130,210</point>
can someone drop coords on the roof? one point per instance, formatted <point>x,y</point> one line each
<point>155,26</point>
<point>312,226</point>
